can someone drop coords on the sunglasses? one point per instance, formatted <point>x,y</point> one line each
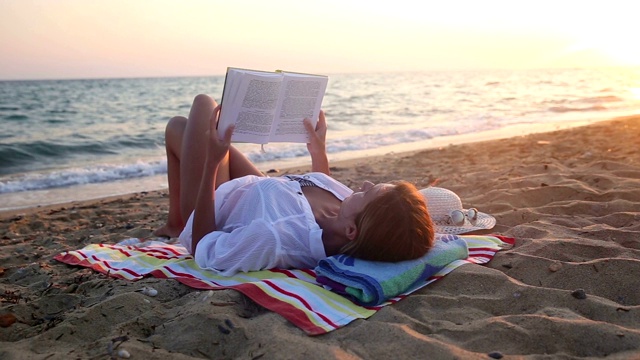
<point>457,217</point>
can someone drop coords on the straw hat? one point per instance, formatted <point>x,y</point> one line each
<point>449,217</point>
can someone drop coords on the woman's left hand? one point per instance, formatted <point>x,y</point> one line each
<point>317,144</point>
<point>317,136</point>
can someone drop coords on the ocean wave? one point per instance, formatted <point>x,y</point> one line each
<point>273,152</point>
<point>564,109</point>
<point>16,117</point>
<point>600,99</point>
<point>79,176</point>
<point>36,155</point>
<point>585,100</point>
<point>28,155</point>
<point>62,111</point>
<point>83,123</point>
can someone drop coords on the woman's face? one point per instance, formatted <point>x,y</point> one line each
<point>355,203</point>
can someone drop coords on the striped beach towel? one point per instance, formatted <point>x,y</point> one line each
<point>294,294</point>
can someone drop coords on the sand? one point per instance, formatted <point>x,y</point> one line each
<point>568,289</point>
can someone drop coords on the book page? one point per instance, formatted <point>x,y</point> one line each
<point>249,101</point>
<point>301,98</point>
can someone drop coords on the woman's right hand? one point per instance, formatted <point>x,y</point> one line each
<point>217,148</point>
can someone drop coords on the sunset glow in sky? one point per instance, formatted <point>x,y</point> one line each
<point>59,39</point>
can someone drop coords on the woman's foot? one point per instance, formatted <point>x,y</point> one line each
<point>167,231</point>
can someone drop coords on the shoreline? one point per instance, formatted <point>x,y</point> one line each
<point>570,198</point>
<point>23,201</point>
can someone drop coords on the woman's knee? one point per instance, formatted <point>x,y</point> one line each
<point>175,126</point>
<point>174,132</point>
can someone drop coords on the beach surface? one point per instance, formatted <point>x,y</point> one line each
<point>569,288</point>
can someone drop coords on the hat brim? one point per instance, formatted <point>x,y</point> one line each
<point>484,222</point>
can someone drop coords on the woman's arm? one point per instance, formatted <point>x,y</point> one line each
<point>204,212</point>
<point>317,144</point>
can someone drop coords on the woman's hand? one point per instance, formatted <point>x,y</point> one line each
<point>317,144</point>
<point>317,136</point>
<point>217,148</point>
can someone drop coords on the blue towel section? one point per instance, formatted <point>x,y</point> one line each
<point>371,283</point>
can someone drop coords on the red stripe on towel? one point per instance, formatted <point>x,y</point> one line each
<point>302,300</point>
<point>108,246</point>
<point>286,272</point>
<point>311,272</point>
<point>286,310</point>
<point>128,271</point>
<point>508,240</point>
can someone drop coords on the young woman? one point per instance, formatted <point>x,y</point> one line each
<point>232,218</point>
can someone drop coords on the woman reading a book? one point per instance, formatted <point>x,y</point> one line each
<point>280,222</point>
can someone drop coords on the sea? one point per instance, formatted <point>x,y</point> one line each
<point>67,140</point>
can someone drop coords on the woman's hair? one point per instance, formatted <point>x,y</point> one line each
<point>394,226</point>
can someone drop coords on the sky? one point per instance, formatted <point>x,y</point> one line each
<point>68,39</point>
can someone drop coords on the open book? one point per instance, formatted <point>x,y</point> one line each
<point>270,106</point>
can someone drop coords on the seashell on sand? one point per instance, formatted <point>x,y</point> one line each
<point>207,295</point>
<point>123,354</point>
<point>149,291</point>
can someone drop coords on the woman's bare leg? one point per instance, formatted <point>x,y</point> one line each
<point>240,166</point>
<point>173,136</point>
<point>192,156</point>
<point>185,141</point>
<point>185,145</point>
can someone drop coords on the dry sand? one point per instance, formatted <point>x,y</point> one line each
<point>570,198</point>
